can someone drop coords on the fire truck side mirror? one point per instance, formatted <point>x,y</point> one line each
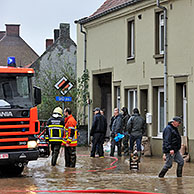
<point>37,95</point>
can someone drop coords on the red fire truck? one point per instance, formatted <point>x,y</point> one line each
<point>19,123</point>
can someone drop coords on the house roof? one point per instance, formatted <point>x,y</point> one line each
<point>2,34</point>
<point>108,7</point>
<point>14,45</point>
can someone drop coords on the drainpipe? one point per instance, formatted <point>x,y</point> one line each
<point>165,61</point>
<point>85,46</point>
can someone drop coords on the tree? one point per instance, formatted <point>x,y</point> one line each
<point>46,79</point>
<point>82,95</point>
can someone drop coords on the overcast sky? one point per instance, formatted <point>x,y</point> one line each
<point>38,18</point>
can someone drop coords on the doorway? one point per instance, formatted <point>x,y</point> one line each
<point>160,111</point>
<point>181,106</point>
<point>102,94</point>
<point>143,102</point>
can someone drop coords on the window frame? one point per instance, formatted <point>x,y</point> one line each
<point>131,39</point>
<point>161,36</point>
<point>160,90</point>
<point>135,103</point>
<point>118,97</point>
<point>159,24</point>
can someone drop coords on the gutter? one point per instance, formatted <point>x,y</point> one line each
<point>165,62</point>
<point>85,45</point>
<point>85,63</point>
<point>111,10</point>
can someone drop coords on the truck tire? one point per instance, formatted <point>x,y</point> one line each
<point>11,170</point>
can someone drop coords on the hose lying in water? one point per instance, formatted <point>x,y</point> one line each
<point>89,191</point>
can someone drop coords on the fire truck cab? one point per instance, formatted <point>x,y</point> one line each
<point>19,123</point>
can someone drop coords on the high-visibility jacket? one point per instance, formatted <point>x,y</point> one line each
<point>70,134</point>
<point>55,129</point>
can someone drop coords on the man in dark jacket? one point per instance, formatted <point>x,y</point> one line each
<point>54,133</point>
<point>116,128</point>
<point>171,147</point>
<point>136,126</point>
<point>98,131</point>
<point>125,118</point>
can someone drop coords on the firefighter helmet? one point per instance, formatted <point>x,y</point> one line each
<point>58,110</point>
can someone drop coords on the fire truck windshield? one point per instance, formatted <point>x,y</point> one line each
<point>15,92</point>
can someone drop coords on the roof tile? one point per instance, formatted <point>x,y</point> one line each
<point>108,4</point>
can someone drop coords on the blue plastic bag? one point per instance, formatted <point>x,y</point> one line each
<point>118,137</point>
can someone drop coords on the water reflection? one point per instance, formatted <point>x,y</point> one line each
<point>92,173</point>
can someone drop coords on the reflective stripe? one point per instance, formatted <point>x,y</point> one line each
<point>60,126</point>
<point>71,141</point>
<point>59,135</point>
<point>60,140</point>
<point>51,130</point>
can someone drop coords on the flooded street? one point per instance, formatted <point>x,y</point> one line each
<point>98,173</point>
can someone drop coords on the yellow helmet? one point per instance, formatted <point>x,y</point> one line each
<point>58,110</point>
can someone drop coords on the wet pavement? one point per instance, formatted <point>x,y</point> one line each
<point>98,173</point>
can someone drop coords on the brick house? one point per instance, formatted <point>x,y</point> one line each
<point>11,44</point>
<point>60,52</point>
<point>59,60</point>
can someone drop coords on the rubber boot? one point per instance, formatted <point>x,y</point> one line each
<point>163,172</point>
<point>73,157</point>
<point>139,156</point>
<point>179,171</point>
<point>119,150</point>
<point>112,151</point>
<point>54,160</point>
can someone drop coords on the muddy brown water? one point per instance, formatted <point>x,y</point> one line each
<point>98,173</point>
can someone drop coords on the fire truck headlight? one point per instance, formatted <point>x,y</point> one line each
<point>32,144</point>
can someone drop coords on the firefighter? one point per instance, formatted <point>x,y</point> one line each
<point>70,139</point>
<point>54,133</point>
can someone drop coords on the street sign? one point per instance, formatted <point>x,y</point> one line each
<point>63,98</point>
<point>64,85</point>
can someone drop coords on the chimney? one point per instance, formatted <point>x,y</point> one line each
<point>12,29</point>
<point>64,30</point>
<point>49,42</point>
<point>56,34</point>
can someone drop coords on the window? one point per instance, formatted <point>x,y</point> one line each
<point>15,90</point>
<point>160,33</point>
<point>132,100</point>
<point>160,111</point>
<point>118,96</point>
<point>131,39</point>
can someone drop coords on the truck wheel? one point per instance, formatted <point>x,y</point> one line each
<point>16,170</point>
<point>11,170</point>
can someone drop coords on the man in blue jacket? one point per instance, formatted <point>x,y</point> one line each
<point>171,147</point>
